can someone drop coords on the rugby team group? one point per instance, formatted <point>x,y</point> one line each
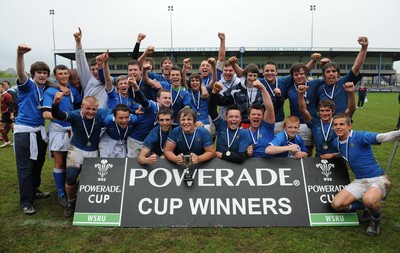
<point>220,111</point>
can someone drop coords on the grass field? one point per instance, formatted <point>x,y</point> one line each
<point>49,231</point>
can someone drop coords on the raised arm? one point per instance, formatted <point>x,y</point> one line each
<point>351,104</point>
<point>152,83</point>
<point>21,50</point>
<point>187,66</point>
<point>222,47</point>
<point>301,89</point>
<point>212,102</point>
<point>238,70</point>
<point>135,52</point>
<point>213,64</point>
<point>107,75</point>
<point>81,61</point>
<point>363,41</point>
<point>314,58</point>
<point>149,50</point>
<point>269,114</point>
<point>139,97</point>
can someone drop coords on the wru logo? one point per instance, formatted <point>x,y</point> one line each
<point>103,167</point>
<point>325,169</point>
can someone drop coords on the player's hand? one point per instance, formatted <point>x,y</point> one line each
<point>57,97</point>
<point>23,49</point>
<point>363,41</point>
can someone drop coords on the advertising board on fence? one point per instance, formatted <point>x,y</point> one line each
<point>258,193</point>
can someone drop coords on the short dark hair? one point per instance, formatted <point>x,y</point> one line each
<point>251,68</point>
<point>165,111</point>
<point>39,66</point>
<point>270,63</point>
<point>195,76</point>
<point>60,67</point>
<point>120,107</point>
<point>256,107</point>
<point>327,103</point>
<point>160,91</point>
<point>330,65</point>
<point>187,112</point>
<point>232,108</point>
<point>342,115</point>
<point>167,58</point>
<point>176,67</point>
<point>5,81</point>
<point>296,67</point>
<point>135,62</point>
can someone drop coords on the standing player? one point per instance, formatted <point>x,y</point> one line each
<point>7,114</point>
<point>30,139</point>
<point>333,86</point>
<point>86,125</point>
<point>59,131</point>
<point>89,74</point>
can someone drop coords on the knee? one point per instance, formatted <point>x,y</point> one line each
<point>371,202</point>
<point>72,174</point>
<point>337,205</point>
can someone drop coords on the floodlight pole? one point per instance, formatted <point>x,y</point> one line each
<point>52,13</point>
<point>170,10</point>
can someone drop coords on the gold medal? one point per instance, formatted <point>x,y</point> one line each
<point>228,153</point>
<point>325,147</point>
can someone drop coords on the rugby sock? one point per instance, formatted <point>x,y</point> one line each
<point>376,217</point>
<point>59,179</point>
<point>356,205</point>
<point>72,203</point>
<point>71,192</point>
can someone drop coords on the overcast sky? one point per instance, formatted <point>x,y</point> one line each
<point>259,23</point>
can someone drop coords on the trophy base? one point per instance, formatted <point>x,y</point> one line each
<point>188,178</point>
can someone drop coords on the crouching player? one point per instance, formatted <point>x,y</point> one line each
<point>371,184</point>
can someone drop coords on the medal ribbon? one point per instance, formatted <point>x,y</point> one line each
<point>233,139</point>
<point>191,143</point>
<point>84,126</point>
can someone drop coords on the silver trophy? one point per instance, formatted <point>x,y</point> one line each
<point>187,161</point>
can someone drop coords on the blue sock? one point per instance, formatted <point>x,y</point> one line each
<point>59,179</point>
<point>356,205</point>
